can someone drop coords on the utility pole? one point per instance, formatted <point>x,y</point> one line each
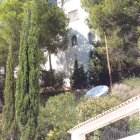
<point>108,62</point>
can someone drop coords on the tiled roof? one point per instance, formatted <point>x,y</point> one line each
<point>107,112</point>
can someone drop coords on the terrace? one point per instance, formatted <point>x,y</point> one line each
<point>105,120</point>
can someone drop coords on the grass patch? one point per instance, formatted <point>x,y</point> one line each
<point>127,89</point>
<point>132,82</point>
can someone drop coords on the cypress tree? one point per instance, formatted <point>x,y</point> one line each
<point>27,87</point>
<point>8,109</point>
<point>82,77</point>
<point>75,75</point>
<point>79,77</point>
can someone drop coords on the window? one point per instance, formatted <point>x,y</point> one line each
<point>90,38</point>
<point>73,15</point>
<point>74,40</point>
<point>52,1</point>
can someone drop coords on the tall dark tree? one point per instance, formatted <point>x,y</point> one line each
<point>82,76</point>
<point>79,77</point>
<point>27,87</point>
<point>74,77</point>
<point>9,17</point>
<point>9,99</point>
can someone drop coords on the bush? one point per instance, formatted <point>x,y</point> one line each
<point>59,78</point>
<point>134,122</point>
<point>63,112</point>
<point>57,117</point>
<point>52,78</point>
<point>47,77</point>
<point>89,108</point>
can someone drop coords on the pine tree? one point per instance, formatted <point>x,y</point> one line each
<point>27,87</point>
<point>79,77</point>
<point>118,28</point>
<point>9,99</point>
<point>74,77</point>
<point>82,76</point>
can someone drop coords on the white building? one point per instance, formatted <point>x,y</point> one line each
<point>79,36</point>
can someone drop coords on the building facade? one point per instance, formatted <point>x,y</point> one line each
<point>79,38</point>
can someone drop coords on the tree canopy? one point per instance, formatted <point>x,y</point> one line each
<point>52,22</point>
<point>53,25</point>
<point>10,23</point>
<point>120,22</point>
<point>53,28</point>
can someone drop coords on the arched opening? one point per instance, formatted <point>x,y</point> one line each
<point>90,37</point>
<point>74,40</point>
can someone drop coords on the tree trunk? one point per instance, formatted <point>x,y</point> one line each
<point>108,62</point>
<point>50,62</point>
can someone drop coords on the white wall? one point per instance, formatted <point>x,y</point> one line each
<point>65,60</point>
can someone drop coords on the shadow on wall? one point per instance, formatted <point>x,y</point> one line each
<point>80,52</point>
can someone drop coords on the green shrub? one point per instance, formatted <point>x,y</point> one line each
<point>52,78</point>
<point>62,112</point>
<point>134,122</point>
<point>59,78</point>
<point>89,108</point>
<point>57,117</point>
